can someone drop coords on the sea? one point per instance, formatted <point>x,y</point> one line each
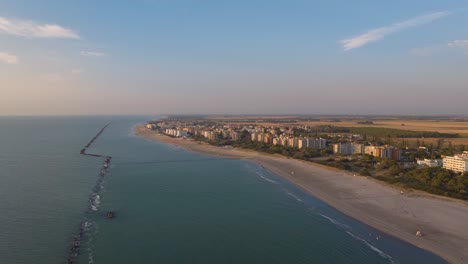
<point>170,205</point>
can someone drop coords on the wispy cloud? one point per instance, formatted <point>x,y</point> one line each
<point>93,54</point>
<point>31,29</point>
<point>377,34</point>
<point>458,43</point>
<point>8,58</point>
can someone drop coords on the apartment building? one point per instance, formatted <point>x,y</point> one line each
<point>457,163</point>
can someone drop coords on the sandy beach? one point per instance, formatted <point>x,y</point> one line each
<point>442,220</point>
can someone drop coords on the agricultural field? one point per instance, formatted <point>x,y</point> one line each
<point>458,127</point>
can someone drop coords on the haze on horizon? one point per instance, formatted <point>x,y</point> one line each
<point>233,57</point>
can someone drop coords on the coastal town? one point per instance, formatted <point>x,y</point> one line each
<point>301,138</point>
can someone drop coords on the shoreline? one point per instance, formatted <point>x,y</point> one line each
<point>374,203</point>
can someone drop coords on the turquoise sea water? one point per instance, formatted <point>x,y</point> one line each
<point>172,206</point>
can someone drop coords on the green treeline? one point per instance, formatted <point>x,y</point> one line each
<point>398,133</point>
<point>376,132</point>
<point>379,132</point>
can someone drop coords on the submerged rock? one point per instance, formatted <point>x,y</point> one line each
<point>110,214</point>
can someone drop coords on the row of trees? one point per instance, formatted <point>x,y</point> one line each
<point>376,132</point>
<point>380,132</point>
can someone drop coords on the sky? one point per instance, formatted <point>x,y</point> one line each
<point>151,57</point>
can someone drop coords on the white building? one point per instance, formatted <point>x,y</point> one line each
<point>457,163</point>
<point>176,132</point>
<point>430,163</point>
<point>181,133</point>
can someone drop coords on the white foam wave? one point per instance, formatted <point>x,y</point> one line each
<point>90,257</point>
<point>265,178</point>
<point>380,252</point>
<point>294,196</point>
<point>333,221</point>
<point>259,173</point>
<point>97,199</point>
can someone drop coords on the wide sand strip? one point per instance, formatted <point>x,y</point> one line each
<point>443,221</point>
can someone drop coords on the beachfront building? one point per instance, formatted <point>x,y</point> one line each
<point>283,141</point>
<point>267,138</point>
<point>348,148</point>
<point>383,152</point>
<point>175,132</point>
<point>317,143</point>
<point>276,141</point>
<point>260,137</point>
<point>357,148</point>
<point>181,133</point>
<point>235,135</point>
<point>254,136</point>
<point>430,162</point>
<point>457,163</point>
<point>372,150</point>
<point>226,134</point>
<point>210,135</point>
<point>151,126</point>
<point>302,143</point>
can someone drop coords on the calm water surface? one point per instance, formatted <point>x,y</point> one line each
<point>172,206</point>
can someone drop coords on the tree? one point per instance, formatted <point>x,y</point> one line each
<point>440,143</point>
<point>364,172</point>
<point>394,170</point>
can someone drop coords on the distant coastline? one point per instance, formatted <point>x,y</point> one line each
<point>442,220</point>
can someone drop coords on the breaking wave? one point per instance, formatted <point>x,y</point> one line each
<point>259,173</point>
<point>335,222</point>
<point>265,178</point>
<point>378,251</point>
<point>294,196</point>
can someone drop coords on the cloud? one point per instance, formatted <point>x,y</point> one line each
<point>31,29</point>
<point>377,34</point>
<point>8,58</point>
<point>458,43</point>
<point>93,54</point>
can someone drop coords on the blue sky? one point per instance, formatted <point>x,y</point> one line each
<point>233,57</point>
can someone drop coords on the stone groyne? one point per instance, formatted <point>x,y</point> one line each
<point>94,198</point>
